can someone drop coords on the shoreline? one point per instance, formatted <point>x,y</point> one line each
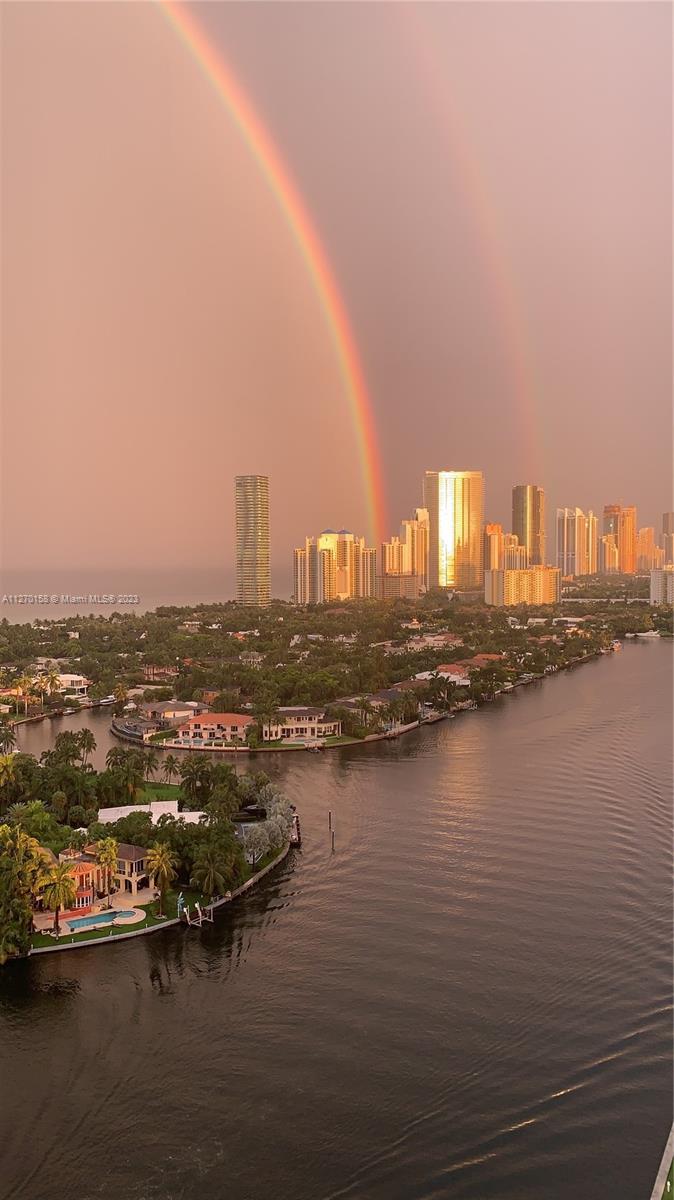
<point>170,921</point>
<point>348,743</point>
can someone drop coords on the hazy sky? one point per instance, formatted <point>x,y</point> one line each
<point>492,183</point>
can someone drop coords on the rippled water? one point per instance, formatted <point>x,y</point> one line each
<point>470,998</point>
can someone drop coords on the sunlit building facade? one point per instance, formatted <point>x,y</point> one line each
<point>607,555</point>
<point>514,557</point>
<point>405,558</point>
<point>667,537</point>
<point>528,585</point>
<point>454,501</point>
<point>650,556</point>
<point>621,522</point>
<point>576,542</point>
<point>253,574</point>
<point>336,565</point>
<point>529,521</point>
<point>493,547</point>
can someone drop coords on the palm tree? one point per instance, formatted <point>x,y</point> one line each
<point>190,771</point>
<point>116,758</point>
<point>23,872</point>
<point>87,744</point>
<point>24,683</point>
<point>210,870</point>
<point>161,865</point>
<point>53,680</point>
<point>60,891</point>
<point>7,770</point>
<point>40,687</point>
<point>106,857</point>
<point>170,770</point>
<point>7,737</point>
<point>130,764</point>
<point>151,762</point>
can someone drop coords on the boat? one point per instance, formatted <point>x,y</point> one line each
<point>252,812</point>
<point>295,831</point>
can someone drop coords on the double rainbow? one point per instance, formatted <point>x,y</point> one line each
<point>279,179</point>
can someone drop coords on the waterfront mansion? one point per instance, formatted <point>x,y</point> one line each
<point>299,725</point>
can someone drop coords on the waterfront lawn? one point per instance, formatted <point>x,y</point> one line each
<point>190,895</point>
<point>158,791</point>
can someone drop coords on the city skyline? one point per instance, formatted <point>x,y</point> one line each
<point>478,326</point>
<point>449,543</point>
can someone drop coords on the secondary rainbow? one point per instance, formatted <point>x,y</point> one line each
<point>280,181</point>
<point>490,242</point>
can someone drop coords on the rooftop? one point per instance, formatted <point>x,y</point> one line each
<point>130,853</point>
<point>221,719</point>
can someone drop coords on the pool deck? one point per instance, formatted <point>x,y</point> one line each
<point>44,922</point>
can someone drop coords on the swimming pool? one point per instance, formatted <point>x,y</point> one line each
<point>102,918</point>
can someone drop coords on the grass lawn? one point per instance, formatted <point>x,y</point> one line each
<point>670,1180</point>
<point>190,895</point>
<point>158,791</point>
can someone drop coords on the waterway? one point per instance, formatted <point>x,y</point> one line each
<point>470,998</point>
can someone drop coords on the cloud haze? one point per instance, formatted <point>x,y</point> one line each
<point>492,184</point>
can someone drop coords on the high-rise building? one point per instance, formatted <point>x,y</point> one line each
<point>592,548</point>
<point>529,521</point>
<point>667,538</point>
<point>527,585</point>
<point>649,555</point>
<point>607,555</point>
<point>365,570</point>
<point>399,587</point>
<point>454,501</point>
<point>493,547</point>
<point>334,566</point>
<point>576,542</point>
<point>514,556</point>
<point>253,579</point>
<point>662,586</point>
<point>406,557</point>
<point>622,523</point>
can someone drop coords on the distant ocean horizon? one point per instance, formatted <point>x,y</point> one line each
<point>36,595</point>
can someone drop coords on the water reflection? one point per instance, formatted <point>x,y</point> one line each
<point>470,998</point>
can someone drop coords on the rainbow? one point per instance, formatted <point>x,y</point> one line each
<point>275,171</point>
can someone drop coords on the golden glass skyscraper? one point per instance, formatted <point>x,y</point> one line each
<point>529,521</point>
<point>621,522</point>
<point>253,580</point>
<point>455,504</point>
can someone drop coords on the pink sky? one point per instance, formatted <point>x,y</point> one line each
<point>493,187</point>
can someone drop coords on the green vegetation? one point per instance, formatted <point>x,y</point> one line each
<point>252,660</point>
<point>40,817</point>
<point>342,657</point>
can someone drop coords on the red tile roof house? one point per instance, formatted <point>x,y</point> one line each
<point>214,729</point>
